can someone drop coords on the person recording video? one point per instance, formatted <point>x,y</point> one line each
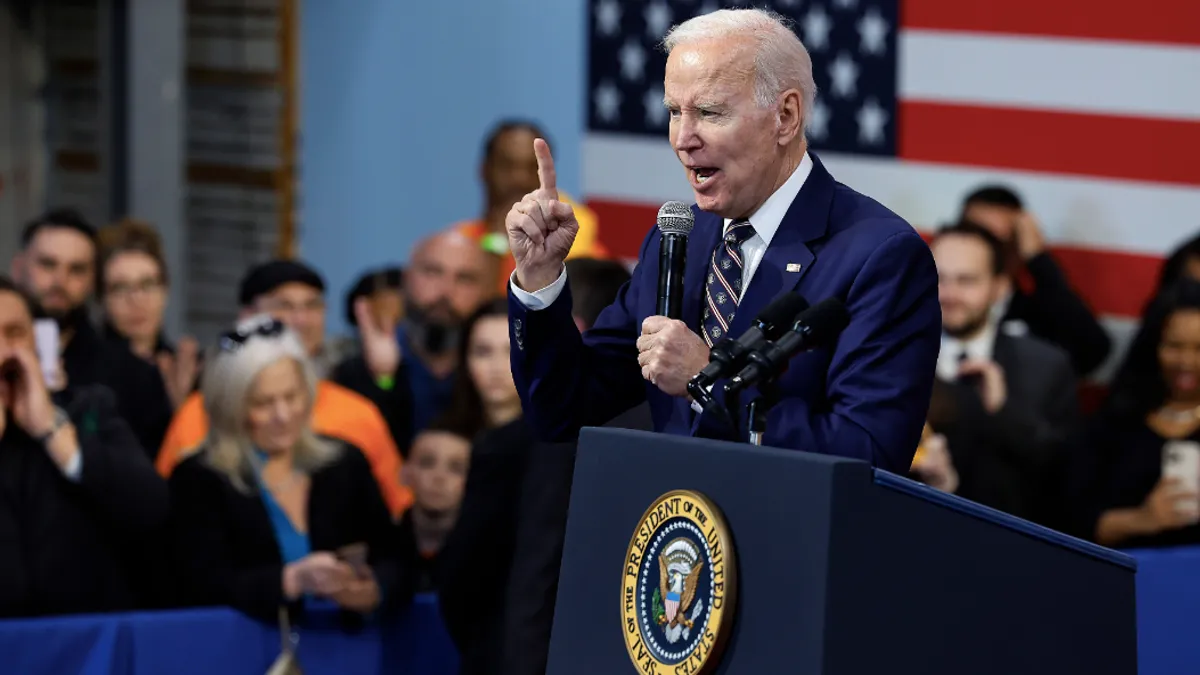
<point>74,484</point>
<point>769,219</point>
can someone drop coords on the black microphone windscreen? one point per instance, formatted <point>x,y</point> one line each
<point>676,218</point>
<point>824,320</point>
<point>782,311</point>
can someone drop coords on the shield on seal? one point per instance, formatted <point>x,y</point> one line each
<point>671,605</point>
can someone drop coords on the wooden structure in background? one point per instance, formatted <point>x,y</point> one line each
<point>241,147</point>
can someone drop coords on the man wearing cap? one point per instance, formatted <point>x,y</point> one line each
<point>294,293</point>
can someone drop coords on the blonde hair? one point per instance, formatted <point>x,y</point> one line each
<point>228,378</point>
<point>781,61</point>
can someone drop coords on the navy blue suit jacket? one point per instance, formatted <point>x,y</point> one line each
<point>864,397</point>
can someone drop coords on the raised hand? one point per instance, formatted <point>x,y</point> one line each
<point>540,228</point>
<point>381,348</point>
<point>180,370</point>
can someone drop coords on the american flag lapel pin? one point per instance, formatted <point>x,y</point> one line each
<point>793,267</point>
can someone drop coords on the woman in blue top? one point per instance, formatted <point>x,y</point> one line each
<point>267,513</point>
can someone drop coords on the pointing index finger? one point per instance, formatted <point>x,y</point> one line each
<point>545,162</point>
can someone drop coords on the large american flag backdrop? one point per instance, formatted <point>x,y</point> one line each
<point>1090,109</point>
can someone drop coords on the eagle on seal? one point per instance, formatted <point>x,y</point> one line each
<point>679,573</point>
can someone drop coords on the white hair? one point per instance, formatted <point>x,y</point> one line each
<point>780,63</point>
<point>227,382</point>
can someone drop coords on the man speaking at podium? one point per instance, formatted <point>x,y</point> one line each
<point>769,219</point>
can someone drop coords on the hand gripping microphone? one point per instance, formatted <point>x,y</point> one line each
<point>815,327</point>
<point>675,222</point>
<point>728,356</point>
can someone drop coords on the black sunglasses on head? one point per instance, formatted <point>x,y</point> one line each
<point>234,339</point>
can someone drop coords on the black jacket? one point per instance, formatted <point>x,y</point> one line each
<point>1015,460</point>
<point>226,549</point>
<point>64,545</point>
<point>394,404</point>
<point>140,393</point>
<point>1056,313</point>
<point>474,564</point>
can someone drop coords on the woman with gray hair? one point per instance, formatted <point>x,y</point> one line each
<point>268,514</point>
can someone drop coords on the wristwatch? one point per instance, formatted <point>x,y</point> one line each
<point>61,419</point>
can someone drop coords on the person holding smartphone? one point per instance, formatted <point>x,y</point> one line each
<point>75,486</point>
<point>1136,468</point>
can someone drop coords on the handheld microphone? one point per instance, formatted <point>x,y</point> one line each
<point>815,327</point>
<point>727,355</point>
<point>675,221</point>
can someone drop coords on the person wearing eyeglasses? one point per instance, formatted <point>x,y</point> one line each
<point>134,285</point>
<point>269,514</point>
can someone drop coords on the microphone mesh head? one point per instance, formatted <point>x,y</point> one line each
<point>676,218</point>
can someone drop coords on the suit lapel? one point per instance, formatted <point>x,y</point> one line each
<point>788,258</point>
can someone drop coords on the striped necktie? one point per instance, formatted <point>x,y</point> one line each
<point>724,288</point>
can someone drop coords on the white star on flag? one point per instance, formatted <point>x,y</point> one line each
<point>816,29</point>
<point>818,121</point>
<point>873,30</point>
<point>658,20</point>
<point>844,75</point>
<point>871,119</point>
<point>608,17</point>
<point>608,102</point>
<point>633,61</point>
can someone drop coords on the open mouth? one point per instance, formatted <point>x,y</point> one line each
<point>703,173</point>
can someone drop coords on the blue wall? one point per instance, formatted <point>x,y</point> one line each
<point>397,96</point>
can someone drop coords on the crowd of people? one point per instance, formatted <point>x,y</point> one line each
<point>280,468</point>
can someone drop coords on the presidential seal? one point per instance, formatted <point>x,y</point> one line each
<point>678,590</point>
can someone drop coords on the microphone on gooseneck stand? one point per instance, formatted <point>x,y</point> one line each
<point>675,222</point>
<point>815,327</point>
<point>728,356</point>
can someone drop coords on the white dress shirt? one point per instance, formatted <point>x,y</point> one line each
<point>765,221</point>
<point>952,351</point>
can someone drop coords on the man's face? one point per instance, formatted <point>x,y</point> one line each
<point>511,171</point>
<point>58,269</point>
<point>16,332</point>
<point>301,308</point>
<point>1000,220</point>
<point>729,146</point>
<point>967,286</point>
<point>446,280</point>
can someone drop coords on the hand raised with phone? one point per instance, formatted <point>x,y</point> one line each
<point>541,229</point>
<point>24,399</point>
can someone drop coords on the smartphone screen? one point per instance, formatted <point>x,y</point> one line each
<point>1181,460</point>
<point>45,340</point>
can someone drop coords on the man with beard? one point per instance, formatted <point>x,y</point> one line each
<point>509,171</point>
<point>57,266</point>
<point>1012,396</point>
<point>411,367</point>
<point>1043,300</point>
<point>77,494</point>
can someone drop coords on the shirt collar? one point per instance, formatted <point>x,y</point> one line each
<point>769,216</point>
<point>978,347</point>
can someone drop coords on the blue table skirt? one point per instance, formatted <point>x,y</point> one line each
<point>1168,599</point>
<point>223,642</point>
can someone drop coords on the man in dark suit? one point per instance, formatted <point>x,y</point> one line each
<point>1012,396</point>
<point>769,219</point>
